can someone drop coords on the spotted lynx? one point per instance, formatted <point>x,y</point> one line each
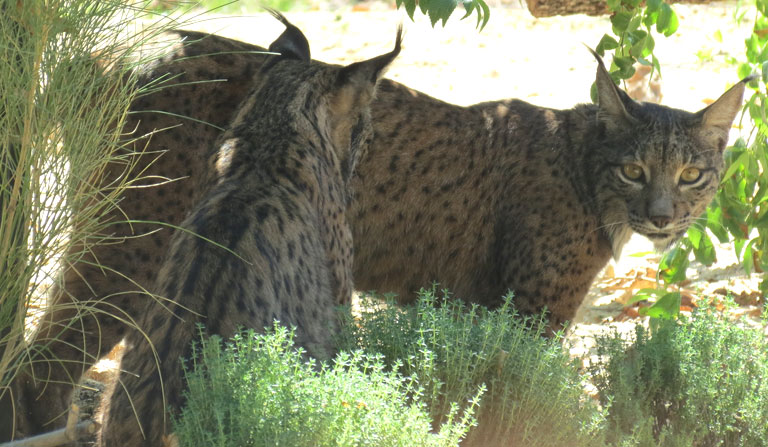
<point>278,200</point>
<point>506,195</point>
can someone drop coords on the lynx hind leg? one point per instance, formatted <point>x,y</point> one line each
<point>138,417</point>
<point>64,347</point>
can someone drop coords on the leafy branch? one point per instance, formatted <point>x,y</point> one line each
<point>632,40</point>
<point>739,212</point>
<point>442,9</point>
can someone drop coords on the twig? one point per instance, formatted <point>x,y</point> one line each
<point>72,432</point>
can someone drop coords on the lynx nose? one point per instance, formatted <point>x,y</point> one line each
<point>660,212</point>
<point>660,221</point>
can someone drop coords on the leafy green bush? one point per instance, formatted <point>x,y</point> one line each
<point>534,394</point>
<point>739,212</point>
<point>700,381</point>
<point>259,391</point>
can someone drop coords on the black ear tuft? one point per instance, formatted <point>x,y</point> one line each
<point>356,83</point>
<point>291,43</point>
<point>373,69</point>
<point>597,56</point>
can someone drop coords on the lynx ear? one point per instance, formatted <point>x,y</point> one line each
<point>717,118</point>
<point>356,82</point>
<point>291,43</point>
<point>611,100</point>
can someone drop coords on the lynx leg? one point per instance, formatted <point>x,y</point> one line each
<point>137,417</point>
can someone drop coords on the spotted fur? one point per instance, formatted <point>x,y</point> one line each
<point>505,195</point>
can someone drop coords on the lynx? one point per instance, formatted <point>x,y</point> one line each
<point>505,195</point>
<point>277,209</point>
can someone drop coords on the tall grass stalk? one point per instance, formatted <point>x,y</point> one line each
<point>65,90</point>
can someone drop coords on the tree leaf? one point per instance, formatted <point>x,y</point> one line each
<point>705,251</point>
<point>673,265</point>
<point>667,307</point>
<point>753,49</point>
<point>765,72</point>
<point>747,260</point>
<point>620,21</point>
<point>694,235</point>
<point>469,6</point>
<point>639,49</point>
<point>650,18</point>
<point>652,5</point>
<point>667,22</point>
<point>744,70</point>
<point>673,23</point>
<point>636,36</point>
<point>735,166</point>
<point>606,43</point>
<point>424,6</point>
<point>762,6</point>
<point>715,224</point>
<point>656,65</point>
<point>643,295</point>
<point>486,13</point>
<point>665,12</point>
<point>762,221</point>
<point>410,8</point>
<point>623,62</point>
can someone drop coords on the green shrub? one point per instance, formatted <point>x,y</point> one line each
<point>534,393</point>
<point>702,381</point>
<point>259,391</point>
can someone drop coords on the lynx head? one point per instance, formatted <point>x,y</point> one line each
<point>325,106</point>
<point>656,168</point>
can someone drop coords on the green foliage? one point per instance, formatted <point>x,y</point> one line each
<point>258,390</point>
<point>666,305</point>
<point>700,381</point>
<point>534,394</point>
<point>739,212</point>
<point>442,9</point>
<point>632,40</point>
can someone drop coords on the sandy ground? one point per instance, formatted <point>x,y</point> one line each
<point>516,56</point>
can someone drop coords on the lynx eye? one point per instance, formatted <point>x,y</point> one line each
<point>632,171</point>
<point>690,175</point>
